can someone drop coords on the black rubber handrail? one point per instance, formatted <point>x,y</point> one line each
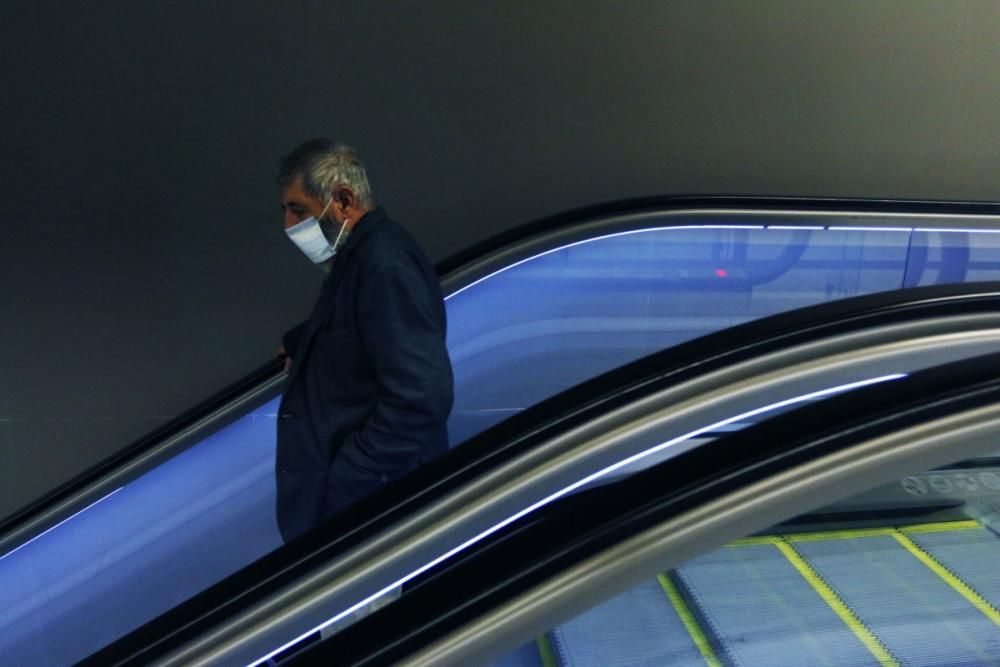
<point>523,234</point>
<point>534,426</point>
<point>578,527</point>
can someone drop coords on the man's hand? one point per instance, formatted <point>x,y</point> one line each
<point>288,360</point>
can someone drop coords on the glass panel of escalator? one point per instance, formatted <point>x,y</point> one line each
<point>143,548</point>
<point>571,314</point>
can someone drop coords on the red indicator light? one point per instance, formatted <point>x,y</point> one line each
<point>721,273</point>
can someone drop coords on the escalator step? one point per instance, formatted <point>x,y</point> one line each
<point>639,627</point>
<point>924,595</point>
<point>917,616</point>
<point>968,554</point>
<point>763,612</point>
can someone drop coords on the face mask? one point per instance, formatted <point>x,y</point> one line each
<point>311,240</point>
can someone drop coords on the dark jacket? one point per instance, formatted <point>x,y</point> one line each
<point>370,388</point>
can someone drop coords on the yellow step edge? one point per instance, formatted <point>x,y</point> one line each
<point>839,534</point>
<point>752,541</point>
<point>689,621</point>
<point>545,651</point>
<point>940,570</point>
<point>844,612</point>
<point>940,527</point>
<point>853,534</point>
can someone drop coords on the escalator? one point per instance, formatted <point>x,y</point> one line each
<point>529,316</point>
<point>647,570</point>
<point>655,410</point>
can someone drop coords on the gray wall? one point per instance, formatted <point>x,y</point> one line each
<point>143,263</point>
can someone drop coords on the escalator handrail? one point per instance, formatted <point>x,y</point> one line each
<point>520,434</point>
<point>578,528</point>
<point>555,225</point>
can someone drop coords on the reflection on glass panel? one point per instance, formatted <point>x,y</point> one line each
<point>143,549</point>
<point>572,314</point>
<point>943,257</point>
<point>905,574</point>
<point>983,255</point>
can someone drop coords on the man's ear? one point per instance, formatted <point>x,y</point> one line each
<point>344,197</point>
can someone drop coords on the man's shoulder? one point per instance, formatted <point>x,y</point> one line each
<point>388,242</point>
<point>388,230</point>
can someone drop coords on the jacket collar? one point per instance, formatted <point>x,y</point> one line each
<point>361,228</point>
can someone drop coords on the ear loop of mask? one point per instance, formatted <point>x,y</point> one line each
<point>325,209</point>
<point>343,226</point>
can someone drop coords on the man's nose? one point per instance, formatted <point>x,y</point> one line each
<point>290,219</point>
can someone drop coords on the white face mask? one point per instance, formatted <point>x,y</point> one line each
<point>311,240</point>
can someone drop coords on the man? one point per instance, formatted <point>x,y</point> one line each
<point>370,382</point>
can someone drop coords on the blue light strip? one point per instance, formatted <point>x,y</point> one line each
<point>928,230</point>
<point>573,487</point>
<point>67,519</point>
<point>957,231</point>
<point>907,230</point>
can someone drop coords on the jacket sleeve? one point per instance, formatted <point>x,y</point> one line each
<point>290,341</point>
<point>401,324</point>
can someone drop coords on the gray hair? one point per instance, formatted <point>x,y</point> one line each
<point>324,166</point>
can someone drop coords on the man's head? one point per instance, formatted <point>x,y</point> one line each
<point>323,175</point>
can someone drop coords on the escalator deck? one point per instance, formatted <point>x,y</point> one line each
<point>921,595</point>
